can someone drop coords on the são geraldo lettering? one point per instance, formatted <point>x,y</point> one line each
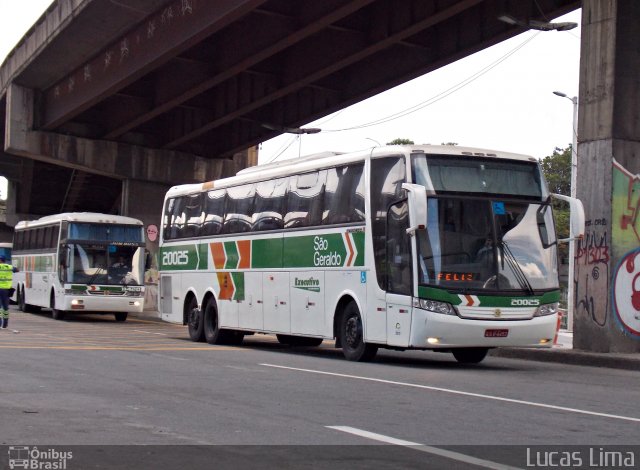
<point>332,258</point>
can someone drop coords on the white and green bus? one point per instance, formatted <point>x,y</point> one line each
<point>80,262</point>
<point>419,247</point>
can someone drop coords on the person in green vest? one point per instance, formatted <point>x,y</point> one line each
<point>6,278</point>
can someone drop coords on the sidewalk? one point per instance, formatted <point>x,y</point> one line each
<point>563,352</point>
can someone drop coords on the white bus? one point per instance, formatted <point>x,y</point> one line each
<point>80,262</point>
<point>403,247</point>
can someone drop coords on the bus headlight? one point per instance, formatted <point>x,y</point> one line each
<point>546,309</point>
<point>435,306</point>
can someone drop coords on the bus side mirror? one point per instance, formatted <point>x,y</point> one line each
<point>417,196</point>
<point>577,216</point>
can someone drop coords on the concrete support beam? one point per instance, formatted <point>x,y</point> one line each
<point>607,317</point>
<point>107,158</point>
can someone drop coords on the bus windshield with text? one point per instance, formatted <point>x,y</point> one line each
<point>80,262</point>
<point>403,247</point>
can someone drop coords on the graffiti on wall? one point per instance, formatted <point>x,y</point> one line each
<point>625,210</point>
<point>592,272</point>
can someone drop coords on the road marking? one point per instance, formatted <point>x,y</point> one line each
<point>423,448</point>
<point>459,392</point>
<point>150,332</point>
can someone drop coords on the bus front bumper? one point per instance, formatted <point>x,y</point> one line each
<point>437,331</point>
<point>107,304</point>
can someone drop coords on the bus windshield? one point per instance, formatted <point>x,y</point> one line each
<point>88,263</point>
<point>474,244</point>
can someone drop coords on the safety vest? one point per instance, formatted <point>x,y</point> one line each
<point>6,276</point>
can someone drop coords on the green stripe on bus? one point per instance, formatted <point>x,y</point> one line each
<point>238,281</point>
<point>231,250</point>
<point>441,295</point>
<point>203,256</point>
<point>266,253</point>
<point>179,258</point>
<point>320,251</point>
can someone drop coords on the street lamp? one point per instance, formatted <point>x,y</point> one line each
<point>572,243</point>
<point>538,25</point>
<point>292,130</point>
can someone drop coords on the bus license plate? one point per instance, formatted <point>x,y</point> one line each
<point>496,333</point>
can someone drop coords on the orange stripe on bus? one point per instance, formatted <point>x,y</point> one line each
<point>351,251</point>
<point>244,249</point>
<point>217,253</point>
<point>226,286</point>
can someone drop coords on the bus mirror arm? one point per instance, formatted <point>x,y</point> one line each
<point>417,198</point>
<point>577,225</point>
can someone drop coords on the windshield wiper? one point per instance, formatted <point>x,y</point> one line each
<point>99,270</point>
<point>519,274</point>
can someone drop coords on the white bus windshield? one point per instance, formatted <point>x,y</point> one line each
<point>488,245</point>
<point>104,264</point>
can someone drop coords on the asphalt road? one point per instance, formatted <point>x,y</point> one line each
<point>89,380</point>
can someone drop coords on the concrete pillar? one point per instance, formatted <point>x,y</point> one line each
<point>607,317</point>
<point>143,200</point>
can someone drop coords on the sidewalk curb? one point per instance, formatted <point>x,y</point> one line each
<point>571,356</point>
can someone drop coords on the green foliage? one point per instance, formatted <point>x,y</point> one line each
<point>401,142</point>
<point>557,172</point>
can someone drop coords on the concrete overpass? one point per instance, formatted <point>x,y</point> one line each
<point>104,104</point>
<point>100,92</point>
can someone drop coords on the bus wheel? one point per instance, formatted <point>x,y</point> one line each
<point>353,346</point>
<point>121,316</point>
<point>469,355</point>
<point>212,332</point>
<point>21,305</point>
<point>195,321</point>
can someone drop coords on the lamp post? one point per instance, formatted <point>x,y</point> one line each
<point>572,243</point>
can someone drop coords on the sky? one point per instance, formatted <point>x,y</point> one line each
<point>500,98</point>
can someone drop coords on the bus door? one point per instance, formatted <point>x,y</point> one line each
<point>250,314</point>
<point>277,309</point>
<point>399,279</point>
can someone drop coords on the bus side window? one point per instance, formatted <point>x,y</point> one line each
<point>387,176</point>
<point>399,249</point>
<point>239,209</point>
<point>193,215</point>
<point>305,200</point>
<point>269,205</point>
<point>213,212</point>
<point>344,195</point>
<point>173,218</point>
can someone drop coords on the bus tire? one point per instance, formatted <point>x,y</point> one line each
<point>21,305</point>
<point>195,321</point>
<point>121,316</point>
<point>352,336</point>
<point>212,332</point>
<point>469,355</point>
